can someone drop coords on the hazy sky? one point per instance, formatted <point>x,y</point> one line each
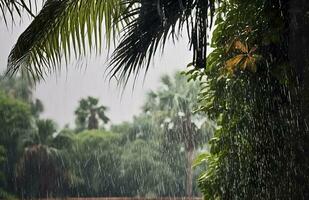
<point>60,93</point>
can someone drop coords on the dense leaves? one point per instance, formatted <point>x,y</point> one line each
<point>15,120</point>
<point>259,149</point>
<point>140,158</point>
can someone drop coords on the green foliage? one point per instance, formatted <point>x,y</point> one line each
<point>3,159</point>
<point>20,88</point>
<point>253,85</point>
<point>142,127</point>
<point>139,158</point>
<point>157,22</point>
<point>42,169</point>
<point>96,156</point>
<point>260,131</point>
<point>33,167</point>
<point>173,105</point>
<point>15,120</point>
<point>172,108</point>
<point>15,114</point>
<point>16,87</point>
<point>143,172</point>
<point>62,28</point>
<point>41,172</point>
<point>67,29</point>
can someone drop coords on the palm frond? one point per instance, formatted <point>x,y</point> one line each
<point>9,7</point>
<point>63,29</point>
<point>151,23</point>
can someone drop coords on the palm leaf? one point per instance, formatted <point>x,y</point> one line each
<point>64,26</point>
<point>61,31</point>
<point>152,23</point>
<point>10,7</point>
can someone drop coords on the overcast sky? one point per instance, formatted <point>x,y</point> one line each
<point>60,93</point>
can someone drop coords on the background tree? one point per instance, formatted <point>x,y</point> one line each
<point>18,87</point>
<point>3,179</point>
<point>89,113</point>
<point>147,168</point>
<point>42,170</point>
<point>15,119</point>
<point>141,127</point>
<point>173,105</point>
<point>96,160</point>
<point>143,173</point>
<point>134,159</point>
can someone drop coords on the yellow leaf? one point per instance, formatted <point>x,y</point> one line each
<point>233,62</point>
<point>244,60</point>
<point>242,47</point>
<point>252,64</point>
<point>244,64</point>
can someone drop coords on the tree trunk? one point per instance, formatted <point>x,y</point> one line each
<point>298,52</point>
<point>93,121</point>
<point>189,184</point>
<point>189,146</point>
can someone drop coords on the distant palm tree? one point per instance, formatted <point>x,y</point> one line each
<point>173,105</point>
<point>89,113</point>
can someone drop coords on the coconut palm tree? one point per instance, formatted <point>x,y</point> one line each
<point>173,106</point>
<point>89,113</point>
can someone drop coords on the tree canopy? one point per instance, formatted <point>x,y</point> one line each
<point>136,158</point>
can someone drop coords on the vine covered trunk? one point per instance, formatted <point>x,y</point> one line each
<point>261,103</point>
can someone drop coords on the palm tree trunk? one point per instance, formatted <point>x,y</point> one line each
<point>299,51</point>
<point>189,145</point>
<point>189,184</point>
<point>298,57</point>
<point>93,121</point>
